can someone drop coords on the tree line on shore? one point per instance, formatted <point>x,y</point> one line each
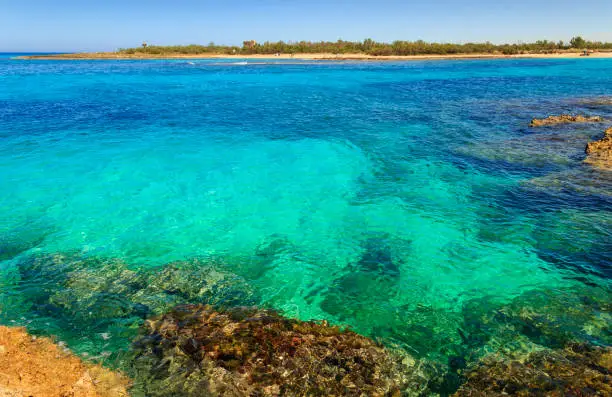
<point>371,47</point>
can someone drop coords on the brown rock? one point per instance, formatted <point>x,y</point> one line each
<point>599,153</point>
<point>565,119</point>
<point>32,366</point>
<point>198,351</point>
<point>577,370</point>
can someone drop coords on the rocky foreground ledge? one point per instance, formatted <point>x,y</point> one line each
<point>195,349</point>
<point>576,370</point>
<point>224,346</point>
<point>31,366</point>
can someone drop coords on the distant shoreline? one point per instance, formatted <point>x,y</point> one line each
<point>307,56</point>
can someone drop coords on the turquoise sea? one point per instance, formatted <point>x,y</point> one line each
<point>409,201</point>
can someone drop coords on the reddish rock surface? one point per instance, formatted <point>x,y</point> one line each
<point>577,370</point>
<point>196,350</point>
<point>31,366</point>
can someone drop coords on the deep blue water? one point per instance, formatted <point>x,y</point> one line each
<point>407,200</point>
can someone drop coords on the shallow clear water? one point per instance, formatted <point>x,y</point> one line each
<point>409,201</point>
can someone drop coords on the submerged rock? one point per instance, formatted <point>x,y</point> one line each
<point>576,239</point>
<point>12,246</point>
<point>582,179</point>
<point>195,350</point>
<point>372,277</point>
<point>99,288</point>
<point>22,238</point>
<point>110,299</point>
<point>577,370</point>
<point>549,318</point>
<point>533,150</point>
<point>596,102</point>
<point>593,180</point>
<point>368,294</point>
<point>31,366</point>
<point>599,153</point>
<point>378,256</point>
<point>565,119</point>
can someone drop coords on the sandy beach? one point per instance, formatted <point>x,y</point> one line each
<point>309,56</point>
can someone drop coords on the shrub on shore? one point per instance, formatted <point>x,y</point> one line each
<point>370,47</point>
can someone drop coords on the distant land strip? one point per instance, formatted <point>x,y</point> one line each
<point>360,50</point>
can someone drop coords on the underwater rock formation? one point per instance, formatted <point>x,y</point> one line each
<point>537,150</point>
<point>373,276</point>
<point>20,239</point>
<point>31,366</point>
<point>362,292</point>
<point>596,102</point>
<point>577,240</point>
<point>110,299</point>
<point>196,350</point>
<point>501,336</point>
<point>599,153</point>
<point>548,318</point>
<point>89,287</point>
<point>564,119</point>
<point>576,370</point>
<point>583,180</point>
<point>595,179</point>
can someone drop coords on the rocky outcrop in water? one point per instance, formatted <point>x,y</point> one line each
<point>565,119</point>
<point>599,153</point>
<point>577,370</point>
<point>196,350</point>
<point>31,366</point>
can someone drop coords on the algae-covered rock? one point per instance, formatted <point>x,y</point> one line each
<point>31,366</point>
<point>101,288</point>
<point>110,299</point>
<point>599,153</point>
<point>195,350</point>
<point>577,370</point>
<point>565,119</point>
<point>545,317</point>
<point>537,320</point>
<point>197,281</point>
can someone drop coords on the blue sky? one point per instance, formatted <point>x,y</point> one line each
<point>88,25</point>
